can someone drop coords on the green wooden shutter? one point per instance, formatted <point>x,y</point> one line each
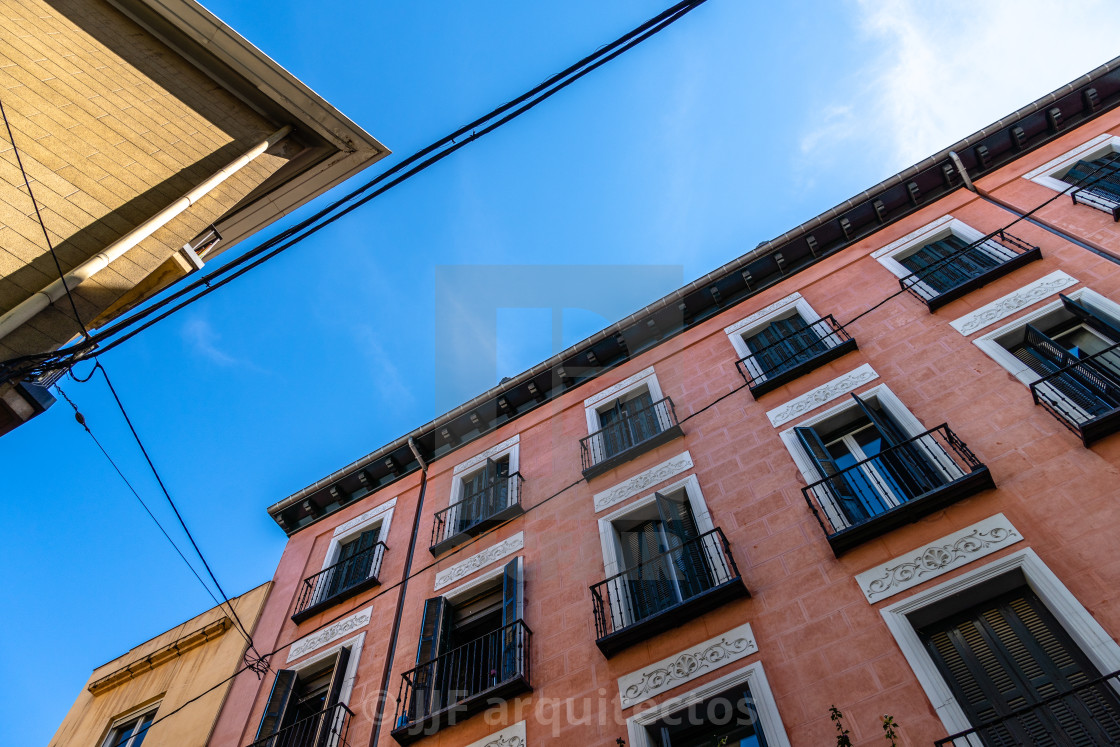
<point>1011,654</point>
<point>512,604</point>
<point>277,706</point>
<point>327,723</point>
<point>434,629</point>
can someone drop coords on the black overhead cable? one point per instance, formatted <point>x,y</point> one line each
<point>42,225</point>
<point>424,158</point>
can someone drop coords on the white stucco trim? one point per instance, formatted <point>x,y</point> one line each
<point>782,309</point>
<point>891,254</point>
<point>511,448</point>
<point>1048,174</point>
<point>1013,302</point>
<point>822,395</point>
<point>645,378</point>
<point>627,488</point>
<point>751,675</point>
<point>355,645</point>
<point>381,515</point>
<point>480,560</point>
<point>1085,631</point>
<point>464,591</point>
<point>511,736</point>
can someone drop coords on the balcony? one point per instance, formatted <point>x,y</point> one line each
<point>476,513</point>
<point>663,592</point>
<point>634,434</point>
<point>1084,395</point>
<point>1102,190</point>
<point>795,355</point>
<point>968,268</point>
<point>338,582</point>
<point>1088,714</point>
<point>462,682</point>
<point>327,728</point>
<point>899,485</point>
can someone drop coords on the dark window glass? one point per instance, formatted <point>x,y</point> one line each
<point>783,344</point>
<point>949,262</point>
<point>1101,176</point>
<point>727,719</point>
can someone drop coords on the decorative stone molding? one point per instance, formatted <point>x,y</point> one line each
<point>373,513</point>
<point>161,656</point>
<point>611,391</point>
<point>939,557</point>
<point>763,313</point>
<point>478,459</point>
<point>511,736</point>
<point>687,665</point>
<point>480,560</point>
<point>1004,307</point>
<point>640,482</point>
<point>823,394</point>
<point>309,643</point>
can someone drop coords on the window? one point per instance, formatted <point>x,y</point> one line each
<point>351,565</point>
<point>1005,653</point>
<point>626,420</point>
<point>665,563</point>
<point>131,730</point>
<point>1067,352</point>
<point>738,708</point>
<point>946,259</point>
<point>486,490</point>
<point>306,706</point>
<point>473,647</point>
<point>784,341</point>
<point>1090,173</point>
<point>871,465</point>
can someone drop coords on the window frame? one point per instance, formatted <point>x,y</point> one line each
<point>1081,626</point>
<point>753,676</point>
<point>511,447</point>
<point>604,399</point>
<point>135,714</point>
<point>468,589</point>
<point>793,304</point>
<point>1046,175</point>
<point>380,516</point>
<point>992,346</point>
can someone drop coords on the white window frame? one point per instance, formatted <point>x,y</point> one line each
<point>1048,175</point>
<point>894,407</point>
<point>752,675</point>
<point>379,516</point>
<point>135,713</point>
<point>1085,631</point>
<point>890,256</point>
<point>793,304</point>
<point>994,349</point>
<point>645,379</point>
<point>355,645</point>
<point>511,447</point>
<point>466,590</point>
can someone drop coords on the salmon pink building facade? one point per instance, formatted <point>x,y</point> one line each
<point>872,463</point>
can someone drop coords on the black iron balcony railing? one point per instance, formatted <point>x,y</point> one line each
<point>327,728</point>
<point>1088,714</point>
<point>968,268</point>
<point>897,486</point>
<point>1101,190</point>
<point>795,355</point>
<point>463,681</point>
<point>339,581</point>
<point>661,593</point>
<point>1084,395</point>
<point>477,512</point>
<point>630,436</point>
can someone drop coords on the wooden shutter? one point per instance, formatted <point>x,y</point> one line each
<point>686,553</point>
<point>277,705</point>
<point>837,486</point>
<point>512,606</point>
<point>1011,654</point>
<point>328,721</point>
<point>911,472</point>
<point>434,629</point>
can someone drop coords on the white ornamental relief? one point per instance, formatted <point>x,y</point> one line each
<point>640,482</point>
<point>937,558</point>
<point>1012,302</point>
<point>823,394</point>
<point>306,645</point>
<point>511,736</point>
<point>687,665</point>
<point>480,560</point>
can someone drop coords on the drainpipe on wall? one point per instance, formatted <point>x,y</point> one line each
<point>383,693</point>
<point>29,307</point>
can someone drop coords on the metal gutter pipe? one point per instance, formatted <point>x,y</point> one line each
<point>29,307</point>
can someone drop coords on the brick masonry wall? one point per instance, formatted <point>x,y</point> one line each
<point>112,126</point>
<point>820,641</point>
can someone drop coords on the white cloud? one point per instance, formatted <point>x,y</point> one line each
<point>201,336</point>
<point>937,72</point>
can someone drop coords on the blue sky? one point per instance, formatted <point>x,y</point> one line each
<point>736,124</point>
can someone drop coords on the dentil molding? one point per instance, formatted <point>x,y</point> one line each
<point>823,394</point>
<point>480,560</point>
<point>938,557</point>
<point>640,482</point>
<point>309,643</point>
<point>1004,307</point>
<point>511,736</point>
<point>687,665</point>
